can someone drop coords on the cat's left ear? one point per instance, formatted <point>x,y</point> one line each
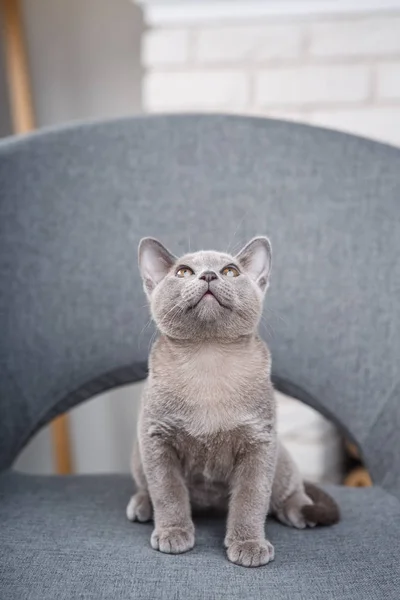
<point>154,262</point>
<point>255,259</point>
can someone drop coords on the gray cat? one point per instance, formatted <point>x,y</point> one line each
<point>207,427</point>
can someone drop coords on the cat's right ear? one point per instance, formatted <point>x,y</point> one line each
<point>154,262</point>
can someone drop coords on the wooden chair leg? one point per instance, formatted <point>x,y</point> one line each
<point>358,477</point>
<point>23,121</point>
<point>61,445</point>
<point>17,67</point>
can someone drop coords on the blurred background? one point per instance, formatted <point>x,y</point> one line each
<point>322,62</point>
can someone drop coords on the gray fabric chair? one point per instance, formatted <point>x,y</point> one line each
<point>73,205</point>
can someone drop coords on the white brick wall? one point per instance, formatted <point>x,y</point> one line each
<point>312,85</point>
<point>389,81</point>
<point>191,90</point>
<point>380,123</point>
<point>165,48</point>
<point>248,43</point>
<point>372,37</point>
<point>341,72</point>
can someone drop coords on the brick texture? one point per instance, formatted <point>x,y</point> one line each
<point>389,81</point>
<point>367,37</point>
<point>248,43</point>
<point>163,48</point>
<point>196,90</point>
<point>312,85</point>
<point>342,72</point>
<point>381,123</point>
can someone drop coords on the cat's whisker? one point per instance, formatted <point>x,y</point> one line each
<point>175,307</point>
<point>228,251</point>
<point>276,314</point>
<point>151,341</point>
<point>176,317</point>
<point>143,330</point>
<point>269,328</point>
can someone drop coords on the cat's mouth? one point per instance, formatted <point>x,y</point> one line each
<point>209,296</point>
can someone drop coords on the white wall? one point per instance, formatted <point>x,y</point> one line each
<point>338,70</point>
<point>84,59</point>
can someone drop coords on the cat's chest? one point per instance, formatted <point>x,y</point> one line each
<point>214,392</point>
<point>211,376</point>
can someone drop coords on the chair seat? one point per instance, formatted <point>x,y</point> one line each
<point>68,537</point>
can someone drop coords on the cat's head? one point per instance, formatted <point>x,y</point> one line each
<point>205,294</point>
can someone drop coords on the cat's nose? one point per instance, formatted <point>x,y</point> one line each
<point>208,276</point>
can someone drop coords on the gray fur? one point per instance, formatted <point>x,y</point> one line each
<point>207,427</point>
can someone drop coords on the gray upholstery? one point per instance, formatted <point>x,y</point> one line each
<point>69,538</point>
<point>73,205</point>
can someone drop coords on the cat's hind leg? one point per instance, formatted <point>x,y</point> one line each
<point>323,510</point>
<point>139,506</point>
<point>296,503</point>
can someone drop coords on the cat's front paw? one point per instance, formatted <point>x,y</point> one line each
<point>250,553</point>
<point>172,540</point>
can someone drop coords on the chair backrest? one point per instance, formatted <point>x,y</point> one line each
<point>74,203</point>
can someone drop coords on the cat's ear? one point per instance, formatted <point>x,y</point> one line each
<point>255,259</point>
<point>154,262</point>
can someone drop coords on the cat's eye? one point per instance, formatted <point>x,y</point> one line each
<point>184,272</point>
<point>230,271</point>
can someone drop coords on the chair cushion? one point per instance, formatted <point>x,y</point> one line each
<point>67,537</point>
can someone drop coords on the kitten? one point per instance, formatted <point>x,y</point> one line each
<point>207,427</point>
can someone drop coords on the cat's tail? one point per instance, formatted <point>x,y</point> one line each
<point>324,510</point>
